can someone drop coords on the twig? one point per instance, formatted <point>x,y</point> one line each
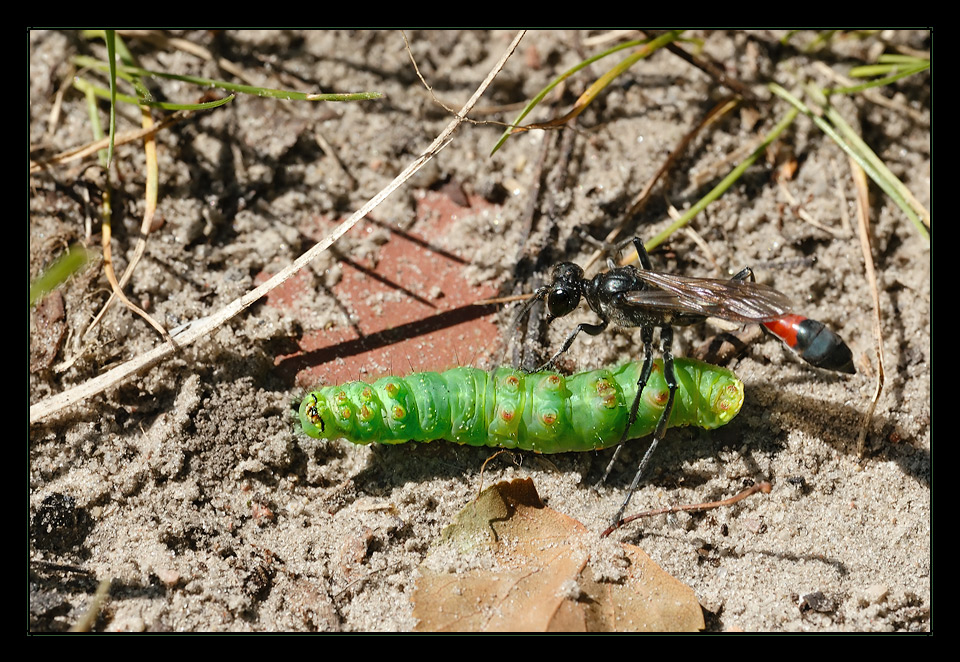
<point>484,467</point>
<point>762,486</point>
<point>804,216</point>
<point>77,153</point>
<point>89,617</point>
<point>436,99</point>
<point>150,153</point>
<point>863,222</point>
<point>714,71</point>
<point>203,327</point>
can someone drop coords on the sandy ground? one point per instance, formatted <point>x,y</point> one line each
<point>191,488</point>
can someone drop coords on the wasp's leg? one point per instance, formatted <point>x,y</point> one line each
<point>592,329</point>
<point>642,254</point>
<point>666,341</point>
<point>647,336</point>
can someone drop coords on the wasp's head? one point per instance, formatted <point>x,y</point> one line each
<point>566,290</point>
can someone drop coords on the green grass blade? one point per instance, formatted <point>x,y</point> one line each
<point>85,85</point>
<point>559,79</point>
<point>857,143</point>
<point>58,272</point>
<point>896,58</point>
<point>603,81</point>
<point>861,153</point>
<point>127,58</point>
<point>112,61</point>
<point>93,112</point>
<point>899,72</point>
<point>233,87</point>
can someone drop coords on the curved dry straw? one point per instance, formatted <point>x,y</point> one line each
<point>203,327</point>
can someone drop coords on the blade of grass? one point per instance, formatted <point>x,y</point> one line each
<point>58,272</point>
<point>860,155</point>
<point>897,58</point>
<point>874,97</point>
<point>601,83</point>
<point>857,143</point>
<point>649,46</point>
<point>127,58</point>
<point>556,81</point>
<point>112,61</point>
<point>106,204</point>
<point>859,72</point>
<point>233,87</point>
<point>93,114</point>
<point>84,85</point>
<point>889,63</point>
<point>150,206</point>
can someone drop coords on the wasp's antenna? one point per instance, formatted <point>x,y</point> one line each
<point>539,295</point>
<point>519,353</point>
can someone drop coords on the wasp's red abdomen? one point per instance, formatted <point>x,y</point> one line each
<point>814,342</point>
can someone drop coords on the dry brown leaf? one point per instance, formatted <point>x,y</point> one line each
<point>509,563</point>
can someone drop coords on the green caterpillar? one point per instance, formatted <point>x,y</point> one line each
<point>543,412</point>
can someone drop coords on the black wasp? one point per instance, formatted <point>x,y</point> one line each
<point>641,297</point>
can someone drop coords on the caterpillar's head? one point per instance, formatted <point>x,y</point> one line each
<point>724,396</point>
<point>313,409</point>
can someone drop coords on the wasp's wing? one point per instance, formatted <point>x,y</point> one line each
<point>737,300</point>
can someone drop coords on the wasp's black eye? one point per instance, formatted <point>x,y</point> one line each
<point>561,300</point>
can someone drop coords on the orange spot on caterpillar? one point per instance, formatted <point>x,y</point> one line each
<point>398,413</point>
<point>603,385</point>
<point>550,382</point>
<point>659,398</point>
